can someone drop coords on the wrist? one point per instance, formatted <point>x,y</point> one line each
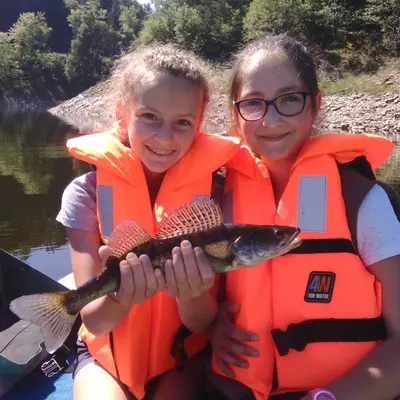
<point>321,394</point>
<point>188,301</point>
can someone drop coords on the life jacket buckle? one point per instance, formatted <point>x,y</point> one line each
<point>57,363</point>
<point>289,339</point>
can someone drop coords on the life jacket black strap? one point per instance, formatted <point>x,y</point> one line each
<point>218,185</point>
<point>178,349</point>
<point>310,246</point>
<point>298,336</point>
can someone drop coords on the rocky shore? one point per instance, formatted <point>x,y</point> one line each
<point>354,113</point>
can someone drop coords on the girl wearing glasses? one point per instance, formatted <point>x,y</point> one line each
<point>324,321</point>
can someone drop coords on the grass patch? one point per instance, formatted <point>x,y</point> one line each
<point>385,80</point>
<point>355,83</point>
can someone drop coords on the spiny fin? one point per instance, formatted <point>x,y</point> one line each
<point>48,311</point>
<point>125,237</point>
<point>197,216</point>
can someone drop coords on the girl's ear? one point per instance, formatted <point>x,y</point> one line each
<point>121,116</point>
<point>318,103</point>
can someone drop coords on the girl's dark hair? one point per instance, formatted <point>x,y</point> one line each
<point>168,59</point>
<point>294,50</point>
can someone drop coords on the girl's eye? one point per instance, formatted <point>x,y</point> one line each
<point>292,98</point>
<point>149,116</point>
<point>255,103</point>
<point>184,122</point>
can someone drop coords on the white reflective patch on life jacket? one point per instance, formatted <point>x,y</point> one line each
<point>312,203</point>
<point>200,197</point>
<point>105,207</point>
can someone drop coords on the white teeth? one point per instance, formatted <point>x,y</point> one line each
<point>161,152</point>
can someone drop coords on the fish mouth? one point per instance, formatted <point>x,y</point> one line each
<point>293,240</point>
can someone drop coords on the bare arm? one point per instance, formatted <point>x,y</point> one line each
<point>138,282</point>
<point>377,375</point>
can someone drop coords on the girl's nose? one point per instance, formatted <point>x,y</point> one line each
<point>272,117</point>
<point>164,132</point>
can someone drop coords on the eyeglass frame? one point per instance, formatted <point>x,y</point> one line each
<point>271,103</point>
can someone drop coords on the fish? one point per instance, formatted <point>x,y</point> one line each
<point>226,246</point>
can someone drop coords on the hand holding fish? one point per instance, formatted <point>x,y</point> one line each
<point>188,274</point>
<point>227,340</point>
<point>139,280</point>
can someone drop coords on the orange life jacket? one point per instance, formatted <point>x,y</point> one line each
<point>317,311</point>
<point>141,343</point>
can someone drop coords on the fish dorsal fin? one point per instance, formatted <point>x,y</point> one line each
<point>125,237</point>
<point>197,216</point>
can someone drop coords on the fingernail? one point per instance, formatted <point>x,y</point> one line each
<point>254,353</point>
<point>197,251</point>
<point>254,337</point>
<point>186,244</point>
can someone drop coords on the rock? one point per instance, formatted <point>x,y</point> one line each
<point>355,113</point>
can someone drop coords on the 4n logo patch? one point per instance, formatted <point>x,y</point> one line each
<point>320,287</point>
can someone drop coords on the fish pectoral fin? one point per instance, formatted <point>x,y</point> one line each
<point>196,216</point>
<point>49,313</point>
<point>127,235</point>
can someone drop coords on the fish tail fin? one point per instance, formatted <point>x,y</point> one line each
<point>50,313</point>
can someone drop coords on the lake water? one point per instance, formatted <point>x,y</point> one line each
<point>34,170</point>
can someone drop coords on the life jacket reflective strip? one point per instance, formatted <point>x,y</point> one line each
<point>141,343</point>
<point>312,199</point>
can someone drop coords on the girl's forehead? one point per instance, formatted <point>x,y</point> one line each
<point>152,83</point>
<point>268,74</point>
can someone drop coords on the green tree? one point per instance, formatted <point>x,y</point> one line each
<point>275,16</point>
<point>31,33</point>
<point>384,15</point>
<point>94,43</point>
<point>129,24</point>
<point>212,28</point>
<point>10,72</point>
<point>32,65</point>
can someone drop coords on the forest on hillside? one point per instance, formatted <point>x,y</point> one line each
<point>58,61</point>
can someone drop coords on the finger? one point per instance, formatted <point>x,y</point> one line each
<point>242,335</point>
<point>231,308</point>
<point>232,360</point>
<point>151,283</point>
<point>103,251</point>
<point>139,279</point>
<point>191,268</point>
<point>180,273</point>
<point>223,366</point>
<point>160,279</point>
<point>172,286</point>
<point>206,273</point>
<point>127,286</point>
<point>234,347</point>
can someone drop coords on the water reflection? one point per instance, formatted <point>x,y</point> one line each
<point>34,170</point>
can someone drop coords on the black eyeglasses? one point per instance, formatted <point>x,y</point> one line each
<point>288,105</point>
